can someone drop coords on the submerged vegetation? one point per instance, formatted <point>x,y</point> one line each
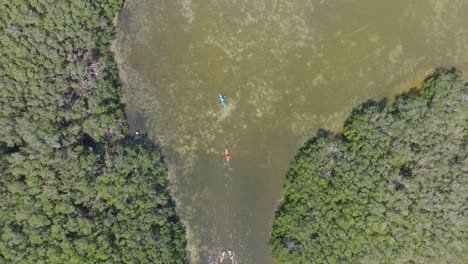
<point>391,189</point>
<point>73,187</point>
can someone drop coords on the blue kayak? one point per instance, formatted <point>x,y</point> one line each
<point>222,99</point>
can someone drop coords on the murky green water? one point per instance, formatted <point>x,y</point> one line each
<point>286,68</point>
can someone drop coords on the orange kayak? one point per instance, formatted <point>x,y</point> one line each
<point>227,155</point>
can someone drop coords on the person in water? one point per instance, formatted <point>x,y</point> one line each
<point>223,255</point>
<point>230,255</point>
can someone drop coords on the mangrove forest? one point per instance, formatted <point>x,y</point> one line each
<point>74,187</point>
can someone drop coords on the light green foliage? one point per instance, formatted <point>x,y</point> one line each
<point>72,188</point>
<point>391,189</point>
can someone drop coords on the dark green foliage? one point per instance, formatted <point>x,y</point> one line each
<point>78,206</point>
<point>110,7</point>
<point>391,189</point>
<point>72,188</point>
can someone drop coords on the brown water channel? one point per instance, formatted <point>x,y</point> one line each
<point>287,68</point>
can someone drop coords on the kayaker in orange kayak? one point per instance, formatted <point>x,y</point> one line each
<point>227,155</point>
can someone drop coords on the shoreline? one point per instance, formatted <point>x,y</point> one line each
<point>120,56</point>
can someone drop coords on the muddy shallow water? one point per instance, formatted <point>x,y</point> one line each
<point>286,68</point>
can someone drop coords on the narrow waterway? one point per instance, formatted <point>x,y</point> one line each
<point>286,68</point>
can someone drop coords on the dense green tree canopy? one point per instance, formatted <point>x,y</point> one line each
<point>73,188</point>
<point>391,189</point>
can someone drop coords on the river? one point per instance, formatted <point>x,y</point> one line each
<point>286,68</point>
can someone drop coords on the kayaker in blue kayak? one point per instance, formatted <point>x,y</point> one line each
<point>222,100</point>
